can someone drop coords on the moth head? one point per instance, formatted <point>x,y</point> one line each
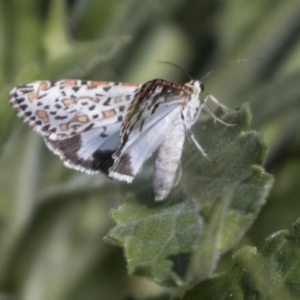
<point>197,86</point>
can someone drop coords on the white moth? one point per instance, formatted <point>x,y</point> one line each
<point>114,127</point>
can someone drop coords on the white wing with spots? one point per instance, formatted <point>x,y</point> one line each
<point>79,120</point>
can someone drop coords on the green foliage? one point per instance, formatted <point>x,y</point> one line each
<point>53,220</point>
<point>270,274</point>
<point>178,242</point>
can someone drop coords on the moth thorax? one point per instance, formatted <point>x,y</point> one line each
<point>168,160</point>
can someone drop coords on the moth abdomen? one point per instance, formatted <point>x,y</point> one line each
<point>167,161</point>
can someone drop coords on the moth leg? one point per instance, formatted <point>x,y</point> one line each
<point>197,145</point>
<point>208,110</point>
<point>214,99</point>
<point>216,119</point>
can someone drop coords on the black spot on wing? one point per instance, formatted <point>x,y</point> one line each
<point>107,88</point>
<point>46,127</point>
<point>60,117</point>
<point>52,83</point>
<point>142,124</point>
<point>42,96</point>
<point>107,102</point>
<point>154,108</point>
<point>103,135</point>
<point>68,150</point>
<point>90,126</point>
<point>124,166</point>
<point>76,88</point>
<point>102,160</point>
<point>20,100</point>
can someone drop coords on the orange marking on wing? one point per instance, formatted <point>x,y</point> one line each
<point>108,113</point>
<point>42,114</point>
<point>95,84</point>
<point>82,119</point>
<point>64,127</point>
<point>118,99</point>
<point>177,86</point>
<point>94,99</point>
<point>43,85</point>
<point>130,84</point>
<point>70,82</point>
<point>166,83</point>
<point>69,101</point>
<point>32,96</point>
<point>76,119</point>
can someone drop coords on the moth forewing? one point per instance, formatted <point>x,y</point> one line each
<point>80,120</point>
<point>129,159</point>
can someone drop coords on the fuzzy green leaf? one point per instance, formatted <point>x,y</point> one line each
<point>270,274</point>
<point>179,241</point>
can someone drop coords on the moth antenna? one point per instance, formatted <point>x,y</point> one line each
<point>176,66</point>
<point>227,64</point>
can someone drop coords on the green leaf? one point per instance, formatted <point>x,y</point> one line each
<point>56,31</point>
<point>153,237</point>
<point>179,241</point>
<point>23,30</point>
<point>270,274</point>
<point>18,199</point>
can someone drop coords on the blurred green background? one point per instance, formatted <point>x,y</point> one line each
<point>52,219</point>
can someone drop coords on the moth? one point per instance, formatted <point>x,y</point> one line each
<point>113,128</point>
